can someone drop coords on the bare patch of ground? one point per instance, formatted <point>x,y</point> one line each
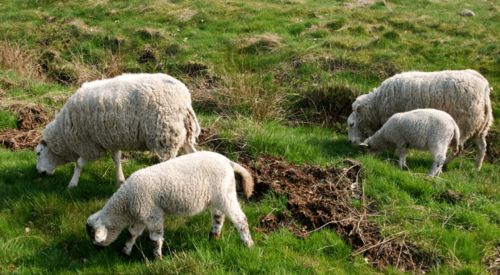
<point>27,135</point>
<point>322,197</point>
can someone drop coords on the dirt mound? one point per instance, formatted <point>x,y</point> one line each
<point>30,118</point>
<point>322,197</point>
<point>17,139</point>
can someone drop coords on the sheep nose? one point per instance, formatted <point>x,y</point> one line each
<point>43,173</point>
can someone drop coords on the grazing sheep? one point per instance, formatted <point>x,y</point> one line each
<point>129,112</point>
<point>429,129</point>
<point>465,95</point>
<point>185,185</point>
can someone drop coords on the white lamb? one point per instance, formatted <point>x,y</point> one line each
<point>428,129</point>
<point>185,185</point>
<point>129,112</point>
<point>465,95</point>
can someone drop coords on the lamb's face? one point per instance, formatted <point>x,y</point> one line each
<point>353,129</point>
<point>46,160</point>
<point>99,233</point>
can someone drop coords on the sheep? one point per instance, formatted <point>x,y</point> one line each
<point>186,186</point>
<point>429,129</point>
<point>129,112</point>
<point>465,95</point>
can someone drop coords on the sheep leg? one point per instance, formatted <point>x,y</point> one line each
<point>134,231</point>
<point>154,223</point>
<point>402,158</point>
<point>217,223</point>
<point>120,178</point>
<point>481,144</point>
<point>76,174</point>
<point>233,210</point>
<point>437,166</point>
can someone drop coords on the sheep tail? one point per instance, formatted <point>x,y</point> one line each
<point>197,130</point>
<point>246,179</point>
<point>192,126</point>
<point>457,147</point>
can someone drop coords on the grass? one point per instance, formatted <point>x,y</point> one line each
<point>275,77</point>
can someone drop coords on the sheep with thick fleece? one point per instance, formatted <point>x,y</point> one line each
<point>465,95</point>
<point>185,185</point>
<point>129,112</point>
<point>429,129</point>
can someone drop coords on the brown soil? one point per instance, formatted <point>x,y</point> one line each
<point>30,118</point>
<point>322,197</point>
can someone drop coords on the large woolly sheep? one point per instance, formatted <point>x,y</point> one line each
<point>465,95</point>
<point>429,129</point>
<point>185,185</point>
<point>129,112</point>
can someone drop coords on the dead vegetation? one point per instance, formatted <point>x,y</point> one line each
<point>15,57</point>
<point>31,117</point>
<point>263,43</point>
<point>241,94</point>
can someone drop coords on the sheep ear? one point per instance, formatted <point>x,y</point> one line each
<point>100,234</point>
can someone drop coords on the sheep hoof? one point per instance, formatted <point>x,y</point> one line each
<point>405,168</point>
<point>126,251</point>
<point>72,185</point>
<point>157,256</point>
<point>249,244</point>
<point>213,236</point>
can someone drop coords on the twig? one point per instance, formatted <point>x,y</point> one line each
<point>361,250</point>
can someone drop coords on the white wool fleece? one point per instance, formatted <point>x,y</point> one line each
<point>129,112</point>
<point>424,129</point>
<point>464,94</point>
<point>185,185</point>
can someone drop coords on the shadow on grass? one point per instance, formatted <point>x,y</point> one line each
<point>338,146</point>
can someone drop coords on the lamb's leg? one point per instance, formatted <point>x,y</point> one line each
<point>437,166</point>
<point>402,158</point>
<point>134,231</point>
<point>481,145</point>
<point>233,210</point>
<point>76,174</point>
<point>155,227</point>
<point>217,223</point>
<point>120,178</point>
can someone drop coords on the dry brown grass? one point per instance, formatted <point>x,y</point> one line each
<point>262,43</point>
<point>19,59</point>
<point>244,94</point>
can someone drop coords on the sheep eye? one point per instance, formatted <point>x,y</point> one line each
<point>351,124</point>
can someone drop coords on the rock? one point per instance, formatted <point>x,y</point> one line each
<point>466,12</point>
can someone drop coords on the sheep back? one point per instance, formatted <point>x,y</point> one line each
<point>463,94</point>
<point>128,112</point>
<point>185,185</point>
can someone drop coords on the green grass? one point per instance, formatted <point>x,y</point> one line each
<point>255,95</point>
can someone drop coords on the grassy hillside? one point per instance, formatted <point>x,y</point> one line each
<point>268,78</point>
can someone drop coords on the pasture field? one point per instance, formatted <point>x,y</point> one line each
<point>269,79</point>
